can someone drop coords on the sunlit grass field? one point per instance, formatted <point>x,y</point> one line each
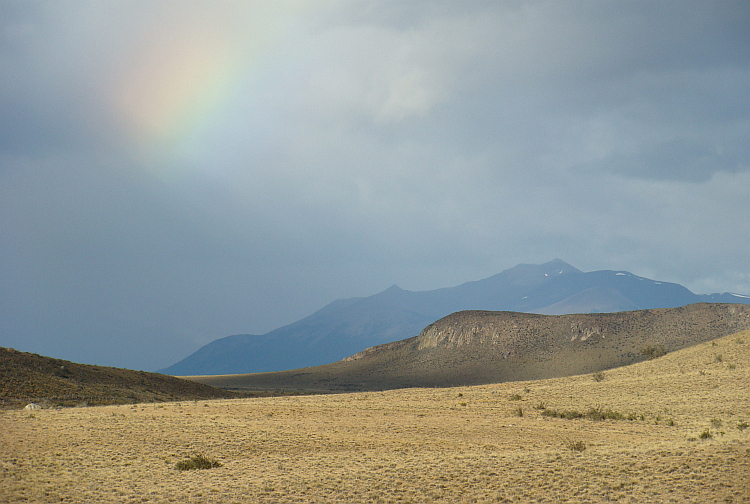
<point>676,431</point>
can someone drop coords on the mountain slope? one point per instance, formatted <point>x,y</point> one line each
<point>477,347</point>
<point>347,326</point>
<point>27,377</point>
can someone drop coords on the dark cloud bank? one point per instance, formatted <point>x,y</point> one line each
<point>173,173</point>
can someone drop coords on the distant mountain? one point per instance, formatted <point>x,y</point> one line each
<point>345,327</point>
<point>478,347</point>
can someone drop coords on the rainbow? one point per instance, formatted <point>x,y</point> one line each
<point>180,74</point>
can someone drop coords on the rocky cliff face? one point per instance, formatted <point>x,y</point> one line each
<point>509,333</point>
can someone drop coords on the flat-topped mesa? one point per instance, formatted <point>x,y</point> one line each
<point>520,332</point>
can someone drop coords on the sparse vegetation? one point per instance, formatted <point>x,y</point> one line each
<point>518,411</point>
<point>411,445</point>
<point>718,358</point>
<point>598,376</point>
<point>715,423</point>
<point>706,434</point>
<point>198,461</point>
<point>515,397</point>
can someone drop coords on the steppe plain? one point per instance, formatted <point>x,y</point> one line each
<point>687,441</point>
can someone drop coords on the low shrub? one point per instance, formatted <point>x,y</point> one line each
<point>598,376</point>
<point>654,352</point>
<point>596,414</point>
<point>602,414</point>
<point>568,415</point>
<point>199,461</point>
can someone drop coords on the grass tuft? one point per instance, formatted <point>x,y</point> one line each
<point>198,461</point>
<point>578,446</point>
<point>706,434</point>
<point>598,376</point>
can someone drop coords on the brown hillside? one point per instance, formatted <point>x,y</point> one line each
<point>476,347</point>
<point>27,377</point>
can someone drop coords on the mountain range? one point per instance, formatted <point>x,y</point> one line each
<point>346,327</point>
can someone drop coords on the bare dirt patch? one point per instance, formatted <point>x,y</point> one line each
<point>466,444</point>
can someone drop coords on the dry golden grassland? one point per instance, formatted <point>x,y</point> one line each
<point>466,444</point>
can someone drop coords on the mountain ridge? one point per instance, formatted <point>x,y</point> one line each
<point>345,327</point>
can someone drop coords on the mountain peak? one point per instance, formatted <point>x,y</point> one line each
<point>560,266</point>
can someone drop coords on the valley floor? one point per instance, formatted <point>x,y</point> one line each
<point>420,445</point>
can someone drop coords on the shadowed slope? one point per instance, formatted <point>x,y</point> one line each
<point>27,377</point>
<point>476,347</point>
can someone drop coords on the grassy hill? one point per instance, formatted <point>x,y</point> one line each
<point>476,347</point>
<point>27,377</point>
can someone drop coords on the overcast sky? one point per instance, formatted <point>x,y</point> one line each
<point>176,172</point>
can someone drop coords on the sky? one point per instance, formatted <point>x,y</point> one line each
<point>176,172</point>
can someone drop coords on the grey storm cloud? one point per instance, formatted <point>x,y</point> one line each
<point>175,172</point>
